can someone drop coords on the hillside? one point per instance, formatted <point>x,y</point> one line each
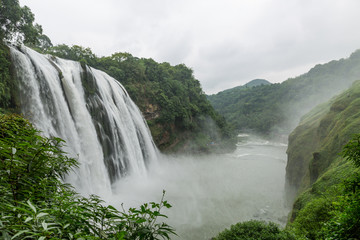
<point>278,107</point>
<point>226,97</point>
<point>315,144</point>
<point>316,172</point>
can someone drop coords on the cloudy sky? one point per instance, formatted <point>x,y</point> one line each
<point>226,42</point>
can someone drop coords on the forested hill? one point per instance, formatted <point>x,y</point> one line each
<point>226,97</point>
<point>280,106</point>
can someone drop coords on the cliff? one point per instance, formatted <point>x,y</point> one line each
<point>314,163</point>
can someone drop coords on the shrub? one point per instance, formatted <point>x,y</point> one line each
<point>254,229</point>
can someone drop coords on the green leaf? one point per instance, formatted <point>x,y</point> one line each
<point>141,220</point>
<point>41,215</point>
<point>31,206</point>
<point>44,225</point>
<point>19,233</point>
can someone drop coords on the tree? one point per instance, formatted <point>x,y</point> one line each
<point>17,23</point>
<point>254,230</point>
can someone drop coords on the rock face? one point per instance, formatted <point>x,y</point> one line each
<point>151,112</point>
<point>316,143</point>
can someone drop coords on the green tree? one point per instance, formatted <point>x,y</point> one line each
<point>254,229</point>
<point>17,23</point>
<point>346,221</point>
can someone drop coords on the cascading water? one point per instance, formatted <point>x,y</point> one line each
<point>91,111</point>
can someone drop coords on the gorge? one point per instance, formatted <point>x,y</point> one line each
<point>118,160</point>
<point>299,171</point>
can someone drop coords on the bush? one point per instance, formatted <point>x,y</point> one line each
<point>256,230</point>
<point>310,220</point>
<point>346,224</point>
<point>36,204</point>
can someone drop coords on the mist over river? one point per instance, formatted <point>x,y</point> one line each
<point>210,193</point>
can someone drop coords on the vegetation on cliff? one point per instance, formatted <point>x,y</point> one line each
<point>278,107</point>
<point>5,78</point>
<point>321,134</point>
<point>330,208</point>
<point>327,183</point>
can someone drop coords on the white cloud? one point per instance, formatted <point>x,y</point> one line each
<point>227,43</point>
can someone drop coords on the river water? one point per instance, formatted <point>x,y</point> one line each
<point>210,193</point>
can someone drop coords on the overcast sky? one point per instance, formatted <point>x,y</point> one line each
<point>226,42</point>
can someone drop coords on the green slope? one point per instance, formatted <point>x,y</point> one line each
<point>316,171</point>
<point>280,106</point>
<point>316,143</point>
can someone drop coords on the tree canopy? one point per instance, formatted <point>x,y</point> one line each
<point>17,23</point>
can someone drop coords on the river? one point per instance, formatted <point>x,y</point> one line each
<point>210,193</point>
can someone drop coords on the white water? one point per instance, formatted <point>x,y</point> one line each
<point>210,193</point>
<point>119,162</point>
<point>92,112</point>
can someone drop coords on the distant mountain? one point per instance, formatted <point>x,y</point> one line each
<point>252,83</point>
<point>257,82</point>
<point>279,107</point>
<point>228,97</point>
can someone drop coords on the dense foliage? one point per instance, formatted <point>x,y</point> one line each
<point>253,229</point>
<point>331,208</point>
<point>36,204</point>
<point>5,77</point>
<point>249,108</point>
<point>170,98</point>
<point>17,23</point>
<point>266,108</point>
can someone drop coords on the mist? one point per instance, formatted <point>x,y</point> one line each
<point>210,193</point>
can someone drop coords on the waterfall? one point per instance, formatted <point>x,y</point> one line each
<point>91,111</point>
